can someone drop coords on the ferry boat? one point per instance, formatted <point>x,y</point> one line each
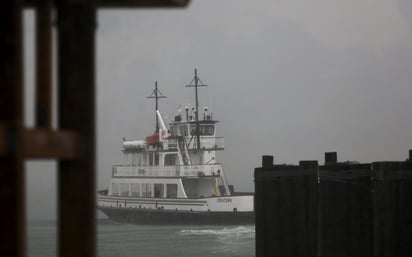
<point>172,176</point>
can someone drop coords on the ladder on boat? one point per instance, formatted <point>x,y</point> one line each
<point>182,147</point>
<point>223,187</point>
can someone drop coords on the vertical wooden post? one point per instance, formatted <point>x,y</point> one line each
<point>286,209</point>
<point>43,64</point>
<point>76,108</point>
<point>260,207</point>
<point>12,214</point>
<point>393,198</point>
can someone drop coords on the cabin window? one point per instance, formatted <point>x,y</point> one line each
<point>138,160</point>
<point>153,159</point>
<point>191,187</point>
<point>147,190</point>
<point>115,188</point>
<point>156,159</point>
<point>205,130</point>
<point>124,189</point>
<point>158,190</point>
<point>171,190</point>
<point>135,189</point>
<point>134,159</point>
<point>174,131</point>
<point>170,159</point>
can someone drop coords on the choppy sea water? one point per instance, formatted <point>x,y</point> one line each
<point>128,240</point>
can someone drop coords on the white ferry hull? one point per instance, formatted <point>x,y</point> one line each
<point>212,211</point>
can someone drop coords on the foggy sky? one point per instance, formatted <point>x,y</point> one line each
<point>290,78</point>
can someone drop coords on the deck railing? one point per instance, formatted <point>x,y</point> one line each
<point>207,143</point>
<point>170,171</point>
<point>212,143</point>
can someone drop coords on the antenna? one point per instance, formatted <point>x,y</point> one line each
<point>156,94</point>
<point>196,84</point>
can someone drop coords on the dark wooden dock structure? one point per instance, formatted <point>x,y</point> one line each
<point>338,209</point>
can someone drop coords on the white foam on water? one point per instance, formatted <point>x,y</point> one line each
<point>240,231</point>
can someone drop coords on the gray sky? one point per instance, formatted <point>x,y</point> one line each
<point>291,78</point>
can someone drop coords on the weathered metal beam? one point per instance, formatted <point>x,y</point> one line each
<point>76,22</point>
<point>12,193</point>
<point>126,3</point>
<point>42,143</point>
<point>39,143</point>
<point>141,3</point>
<point>44,64</point>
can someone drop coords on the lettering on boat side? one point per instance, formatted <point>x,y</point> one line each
<point>224,200</point>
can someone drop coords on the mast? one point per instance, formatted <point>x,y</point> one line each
<point>196,80</point>
<point>156,94</point>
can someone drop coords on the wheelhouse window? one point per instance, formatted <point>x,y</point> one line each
<point>205,130</point>
<point>183,131</point>
<point>193,130</point>
<point>180,130</point>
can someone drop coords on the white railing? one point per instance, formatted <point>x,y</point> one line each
<point>178,170</point>
<point>207,143</point>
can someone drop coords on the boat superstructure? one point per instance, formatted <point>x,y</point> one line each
<point>173,175</point>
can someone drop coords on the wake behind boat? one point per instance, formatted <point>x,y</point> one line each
<point>172,176</point>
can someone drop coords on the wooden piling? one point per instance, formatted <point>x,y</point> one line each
<point>393,208</point>
<point>345,197</point>
<point>357,210</point>
<point>285,209</point>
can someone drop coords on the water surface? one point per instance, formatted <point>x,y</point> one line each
<point>129,240</point>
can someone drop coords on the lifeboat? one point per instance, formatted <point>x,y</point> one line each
<point>135,144</point>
